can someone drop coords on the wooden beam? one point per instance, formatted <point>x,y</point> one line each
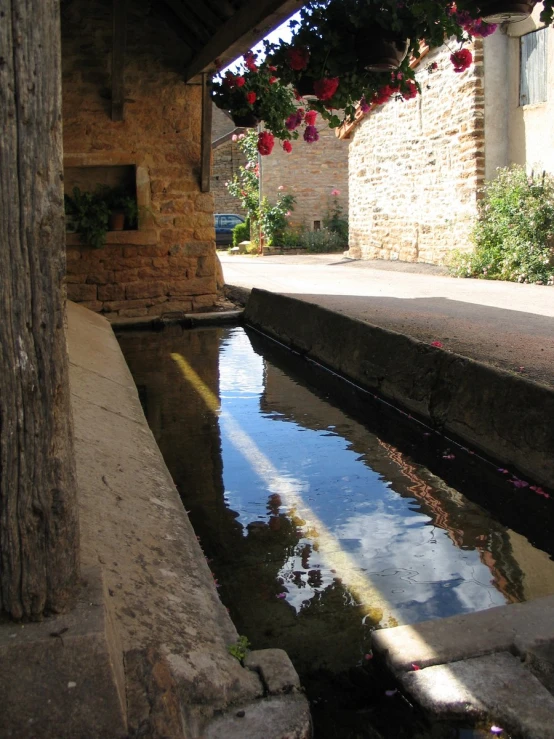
<point>206,140</point>
<point>186,35</point>
<point>119,39</point>
<point>190,21</point>
<point>244,29</point>
<point>200,10</point>
<point>39,517</point>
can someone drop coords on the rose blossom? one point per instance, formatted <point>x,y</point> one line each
<point>239,81</point>
<point>326,87</point>
<point>251,98</point>
<point>287,146</point>
<point>461,60</point>
<point>311,134</point>
<point>266,142</point>
<point>310,117</point>
<point>298,58</point>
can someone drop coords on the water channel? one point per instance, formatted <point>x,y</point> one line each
<point>326,514</point>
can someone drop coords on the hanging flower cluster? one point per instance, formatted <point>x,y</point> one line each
<point>331,66</point>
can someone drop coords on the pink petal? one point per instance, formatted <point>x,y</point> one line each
<point>519,483</point>
<point>504,472</point>
<point>449,456</point>
<point>390,693</point>
<point>415,667</point>
<point>281,595</point>
<point>437,344</point>
<point>368,656</point>
<point>496,730</point>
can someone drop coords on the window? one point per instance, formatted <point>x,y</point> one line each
<point>533,66</point>
<point>317,225</point>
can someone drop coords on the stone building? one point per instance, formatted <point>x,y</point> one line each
<point>415,167</point>
<point>310,172</point>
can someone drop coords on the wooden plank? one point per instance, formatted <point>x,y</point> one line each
<point>200,10</point>
<point>119,40</point>
<point>192,41</point>
<point>190,21</point>
<point>39,532</point>
<point>244,29</point>
<point>206,141</point>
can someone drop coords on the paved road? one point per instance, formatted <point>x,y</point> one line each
<point>505,324</point>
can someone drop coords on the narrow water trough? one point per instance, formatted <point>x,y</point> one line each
<point>329,515</point>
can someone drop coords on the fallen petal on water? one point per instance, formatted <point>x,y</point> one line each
<point>390,693</point>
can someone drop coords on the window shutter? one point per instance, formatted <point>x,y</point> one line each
<point>533,66</point>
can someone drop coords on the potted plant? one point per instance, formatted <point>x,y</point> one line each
<point>89,214</point>
<point>123,208</point>
<point>253,94</point>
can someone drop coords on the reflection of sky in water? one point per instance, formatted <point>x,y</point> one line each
<point>414,565</point>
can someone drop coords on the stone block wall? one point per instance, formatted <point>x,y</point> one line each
<point>415,167</point>
<point>310,172</point>
<point>169,263</point>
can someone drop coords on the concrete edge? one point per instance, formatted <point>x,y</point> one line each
<point>187,320</point>
<point>489,409</point>
<point>237,295</point>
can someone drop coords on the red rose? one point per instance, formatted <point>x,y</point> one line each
<point>239,81</point>
<point>411,90</point>
<point>251,98</point>
<point>310,117</point>
<point>383,95</point>
<point>298,58</point>
<point>287,146</point>
<point>461,60</point>
<point>266,142</point>
<point>272,80</point>
<point>326,87</point>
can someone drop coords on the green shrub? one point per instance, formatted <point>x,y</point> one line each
<point>514,236</point>
<point>241,232</point>
<point>322,242</point>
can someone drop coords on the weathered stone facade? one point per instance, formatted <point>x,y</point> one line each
<point>168,264</point>
<point>310,172</point>
<point>415,167</point>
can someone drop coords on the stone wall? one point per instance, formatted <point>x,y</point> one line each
<point>415,167</point>
<point>310,172</point>
<point>168,264</point>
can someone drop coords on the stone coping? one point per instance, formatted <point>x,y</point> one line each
<point>509,418</point>
<point>167,612</point>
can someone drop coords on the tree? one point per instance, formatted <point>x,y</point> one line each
<point>39,537</point>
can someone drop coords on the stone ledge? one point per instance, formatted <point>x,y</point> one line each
<point>496,688</point>
<point>62,678</point>
<point>498,413</point>
<point>118,238</point>
<point>275,668</point>
<point>284,717</point>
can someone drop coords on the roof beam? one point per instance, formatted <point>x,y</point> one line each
<point>190,20</point>
<point>244,29</point>
<point>206,140</point>
<point>119,41</point>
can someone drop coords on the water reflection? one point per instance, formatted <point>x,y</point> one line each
<point>319,530</point>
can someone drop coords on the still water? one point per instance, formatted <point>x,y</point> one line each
<point>318,529</point>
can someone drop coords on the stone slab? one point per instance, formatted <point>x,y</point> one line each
<point>62,678</point>
<point>496,688</point>
<point>275,668</point>
<point>459,637</point>
<point>492,410</point>
<point>283,717</point>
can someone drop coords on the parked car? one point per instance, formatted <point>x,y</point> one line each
<point>224,225</point>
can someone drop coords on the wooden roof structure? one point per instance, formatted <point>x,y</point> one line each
<point>220,29</point>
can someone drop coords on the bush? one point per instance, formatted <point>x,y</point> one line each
<point>241,232</point>
<point>322,242</point>
<point>514,236</point>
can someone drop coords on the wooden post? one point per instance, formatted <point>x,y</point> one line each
<point>119,43</point>
<point>206,141</point>
<point>39,536</point>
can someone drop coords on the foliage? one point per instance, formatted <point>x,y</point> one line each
<point>271,217</point>
<point>322,241</point>
<point>90,214</point>
<point>334,221</point>
<point>120,199</point>
<point>240,649</point>
<point>255,90</point>
<point>241,232</point>
<point>514,236</point>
